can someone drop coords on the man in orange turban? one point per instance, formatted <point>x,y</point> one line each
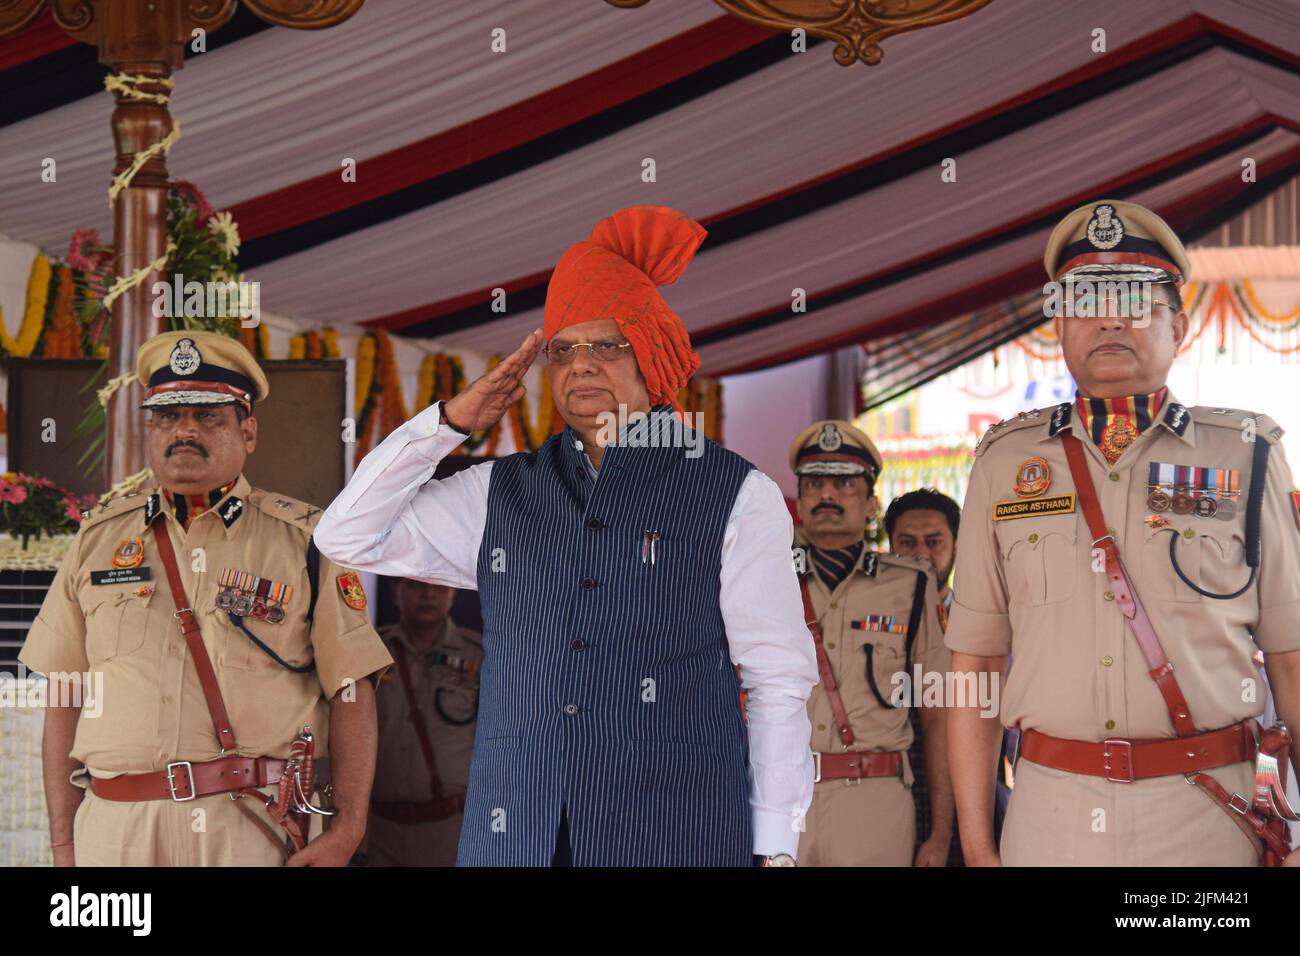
<point>620,579</point>
<point>614,276</point>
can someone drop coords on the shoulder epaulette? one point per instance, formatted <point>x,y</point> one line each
<point>1238,419</point>
<point>118,506</point>
<point>901,561</point>
<point>1003,428</point>
<point>289,510</point>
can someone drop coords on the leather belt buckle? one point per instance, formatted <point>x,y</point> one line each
<point>864,768</point>
<point>1114,747</point>
<point>817,766</point>
<point>1240,808</point>
<point>171,780</point>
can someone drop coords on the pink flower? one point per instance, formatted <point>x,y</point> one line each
<point>13,494</point>
<point>38,482</point>
<point>86,252</point>
<point>194,196</point>
<point>73,512</point>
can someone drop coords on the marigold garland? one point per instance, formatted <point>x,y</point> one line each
<point>33,323</point>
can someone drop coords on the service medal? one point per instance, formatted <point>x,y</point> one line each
<point>1184,503</point>
<point>1158,500</point>
<point>1205,507</point>
<point>243,605</point>
<point>258,612</point>
<point>274,614</point>
<point>1227,509</point>
<point>226,599</point>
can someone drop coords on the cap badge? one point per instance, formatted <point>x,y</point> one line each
<point>1105,230</point>
<point>1033,477</point>
<point>829,438</point>
<point>185,358</point>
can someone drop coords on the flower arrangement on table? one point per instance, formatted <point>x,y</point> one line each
<point>35,507</point>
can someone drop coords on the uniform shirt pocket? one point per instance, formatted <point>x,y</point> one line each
<point>1210,554</point>
<point>117,623</point>
<point>880,657</point>
<point>1041,559</point>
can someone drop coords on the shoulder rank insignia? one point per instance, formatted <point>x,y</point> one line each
<point>354,595</point>
<point>152,508</point>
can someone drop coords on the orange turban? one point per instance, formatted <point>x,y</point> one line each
<point>615,274</point>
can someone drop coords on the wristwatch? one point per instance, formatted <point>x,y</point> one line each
<point>780,859</point>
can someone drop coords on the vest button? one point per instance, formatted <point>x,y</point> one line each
<point>577,643</point>
<point>1110,725</point>
<point>587,584</point>
<point>595,524</point>
<point>1113,476</point>
<point>1107,661</point>
<point>570,710</point>
<point>1108,596</point>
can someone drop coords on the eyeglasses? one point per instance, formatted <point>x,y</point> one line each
<point>1090,305</point>
<point>565,352</point>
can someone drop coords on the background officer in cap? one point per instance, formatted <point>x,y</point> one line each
<point>878,617</point>
<point>182,722</point>
<point>1190,557</point>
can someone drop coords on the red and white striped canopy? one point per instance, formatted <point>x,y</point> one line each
<point>476,169</point>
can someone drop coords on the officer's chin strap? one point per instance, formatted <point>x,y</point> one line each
<point>1258,819</point>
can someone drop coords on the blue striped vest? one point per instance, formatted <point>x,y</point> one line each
<point>607,687</point>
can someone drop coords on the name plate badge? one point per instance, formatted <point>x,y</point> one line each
<point>121,576</point>
<point>1055,505</point>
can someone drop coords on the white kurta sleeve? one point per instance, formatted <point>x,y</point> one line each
<point>769,640</point>
<point>392,519</point>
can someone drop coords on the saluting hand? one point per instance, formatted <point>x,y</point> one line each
<point>490,396</point>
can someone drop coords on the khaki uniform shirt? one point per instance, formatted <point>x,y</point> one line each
<point>445,680</point>
<point>1029,585</point>
<point>153,710</point>
<point>853,618</point>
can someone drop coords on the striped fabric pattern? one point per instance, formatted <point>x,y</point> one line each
<point>834,564</point>
<point>606,685</point>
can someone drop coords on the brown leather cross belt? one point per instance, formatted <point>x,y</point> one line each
<point>404,811</point>
<point>1122,761</point>
<point>183,780</point>
<point>856,764</point>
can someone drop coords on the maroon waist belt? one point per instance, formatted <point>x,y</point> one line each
<point>404,811</point>
<point>1122,761</point>
<point>856,764</point>
<point>183,780</point>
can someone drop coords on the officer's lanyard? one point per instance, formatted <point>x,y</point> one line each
<point>417,718</point>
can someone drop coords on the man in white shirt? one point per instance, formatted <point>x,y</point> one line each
<point>621,578</point>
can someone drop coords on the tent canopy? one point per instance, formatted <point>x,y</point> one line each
<point>476,169</point>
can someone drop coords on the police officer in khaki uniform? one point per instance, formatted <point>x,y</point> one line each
<point>878,621</point>
<point>142,774</point>
<point>1173,566</point>
<point>428,704</point>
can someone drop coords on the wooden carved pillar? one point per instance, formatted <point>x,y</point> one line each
<point>146,39</point>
